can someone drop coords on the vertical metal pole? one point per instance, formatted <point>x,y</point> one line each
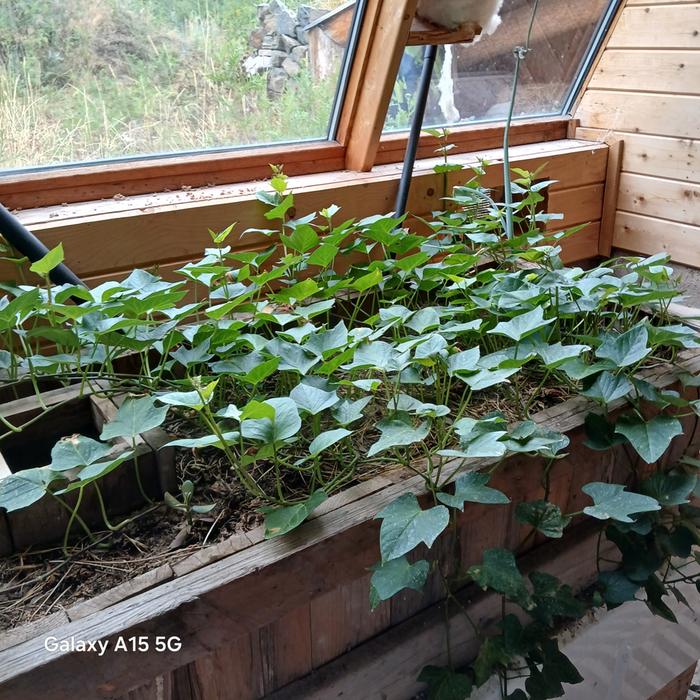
<point>416,128</point>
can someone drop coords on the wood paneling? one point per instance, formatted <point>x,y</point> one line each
<point>675,72</point>
<point>645,90</point>
<point>658,26</point>
<point>102,239</point>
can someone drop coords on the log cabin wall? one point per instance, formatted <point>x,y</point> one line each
<point>645,90</point>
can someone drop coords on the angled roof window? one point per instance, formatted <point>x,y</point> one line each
<point>473,82</point>
<point>135,78</point>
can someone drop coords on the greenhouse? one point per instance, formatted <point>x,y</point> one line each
<point>349,350</point>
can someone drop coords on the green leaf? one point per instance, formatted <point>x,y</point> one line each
<point>554,600</point>
<point>545,517</point>
<point>26,487</point>
<point>650,439</point>
<point>472,487</point>
<point>499,572</point>
<point>51,260</point>
<point>280,521</point>
<point>600,434</point>
<point>325,440</point>
<point>302,238</point>
<point>608,387</point>
<point>135,416</point>
<point>398,433</point>
<point>554,355</point>
<point>280,211</point>
<point>229,438</point>
<point>445,684</point>
<point>627,348</point>
<point>77,451</point>
<point>323,256</point>
<point>313,399</point>
<point>285,425</point>
<point>465,361</point>
<point>96,471</point>
<point>390,577</point>
<point>195,400</point>
<point>670,489</point>
<point>371,279</point>
<point>523,325</point>
<point>405,525</point>
<point>347,412</point>
<point>617,588</point>
<point>613,501</point>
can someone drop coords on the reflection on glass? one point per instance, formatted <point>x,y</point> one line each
<point>473,82</point>
<point>112,78</point>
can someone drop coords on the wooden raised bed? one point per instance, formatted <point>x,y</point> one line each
<point>256,617</point>
<point>72,412</point>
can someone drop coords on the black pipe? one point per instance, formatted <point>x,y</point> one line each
<point>409,162</point>
<point>26,243</point>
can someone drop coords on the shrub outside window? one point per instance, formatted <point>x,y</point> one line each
<point>132,78</point>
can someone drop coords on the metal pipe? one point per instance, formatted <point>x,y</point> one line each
<point>24,241</point>
<point>416,127</point>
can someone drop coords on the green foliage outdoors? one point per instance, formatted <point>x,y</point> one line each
<point>301,369</point>
<point>140,76</point>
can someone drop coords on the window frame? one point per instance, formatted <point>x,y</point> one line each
<point>356,141</point>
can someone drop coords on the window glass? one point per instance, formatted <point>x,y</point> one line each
<point>473,82</point>
<point>83,81</point>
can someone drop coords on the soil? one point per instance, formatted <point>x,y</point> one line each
<point>34,584</point>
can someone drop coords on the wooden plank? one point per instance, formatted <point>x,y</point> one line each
<point>83,183</point>
<point>392,146</point>
<point>386,668</point>
<point>610,201</point>
<point>425,34</point>
<point>578,204</point>
<point>678,688</point>
<point>658,27</point>
<point>649,113</point>
<point>672,158</point>
<point>213,606</point>
<point>676,72</point>
<point>97,244</point>
<point>643,234</point>
<point>660,198</point>
<point>388,42</point>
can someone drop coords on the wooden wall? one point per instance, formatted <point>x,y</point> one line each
<point>645,90</point>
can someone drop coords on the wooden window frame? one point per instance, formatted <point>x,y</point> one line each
<point>386,30</point>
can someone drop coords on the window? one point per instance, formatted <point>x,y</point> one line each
<point>473,82</point>
<point>109,79</point>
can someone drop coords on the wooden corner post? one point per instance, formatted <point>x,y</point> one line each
<point>382,42</point>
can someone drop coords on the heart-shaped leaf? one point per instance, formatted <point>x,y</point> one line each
<point>670,489</point>
<point>545,517</point>
<point>523,325</point>
<point>405,525</point>
<point>612,501</point>
<point>135,416</point>
<point>627,348</point>
<point>499,572</point>
<point>285,425</point>
<point>313,399</point>
<point>77,451</point>
<point>608,387</point>
<point>472,487</point>
<point>229,438</point>
<point>650,439</point>
<point>280,521</point>
<point>390,577</point>
<point>327,439</point>
<point>398,433</point>
<point>26,487</point>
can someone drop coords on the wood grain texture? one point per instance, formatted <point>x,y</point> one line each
<point>610,201</point>
<point>645,89</point>
<point>164,230</point>
<point>384,51</point>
